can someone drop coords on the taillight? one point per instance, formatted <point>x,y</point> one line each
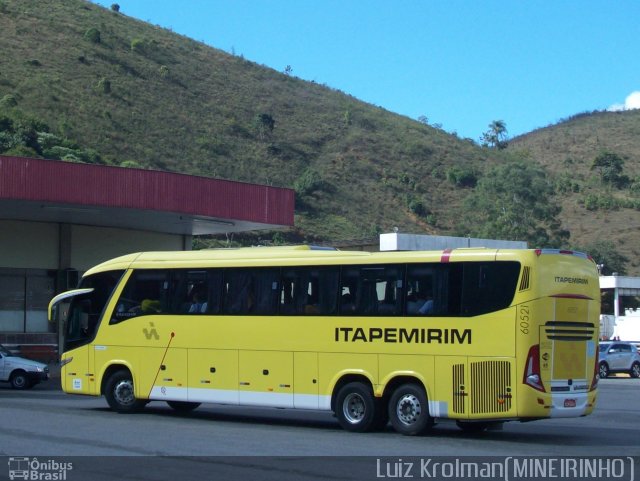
<point>596,371</point>
<point>532,369</point>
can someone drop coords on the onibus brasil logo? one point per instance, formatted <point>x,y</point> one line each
<point>34,469</point>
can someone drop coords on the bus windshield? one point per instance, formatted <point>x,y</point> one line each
<point>80,314</point>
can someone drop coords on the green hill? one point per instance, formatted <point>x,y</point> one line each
<point>82,83</point>
<point>597,205</point>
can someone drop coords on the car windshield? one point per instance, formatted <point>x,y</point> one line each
<point>4,351</point>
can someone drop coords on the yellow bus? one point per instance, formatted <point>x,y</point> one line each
<point>478,336</point>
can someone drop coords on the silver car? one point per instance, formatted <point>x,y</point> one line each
<point>20,372</point>
<point>617,356</point>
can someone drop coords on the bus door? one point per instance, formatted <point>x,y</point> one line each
<point>73,311</point>
<point>568,348</point>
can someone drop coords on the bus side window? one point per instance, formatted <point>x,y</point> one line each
<point>327,280</point>
<point>295,292</point>
<point>238,296</point>
<point>488,287</point>
<point>265,291</point>
<point>146,293</point>
<point>349,285</point>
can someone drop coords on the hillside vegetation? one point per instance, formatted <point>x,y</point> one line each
<point>82,83</point>
<point>594,161</point>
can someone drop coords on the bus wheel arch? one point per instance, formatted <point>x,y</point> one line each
<point>118,389</point>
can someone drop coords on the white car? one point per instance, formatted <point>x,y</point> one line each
<point>617,356</point>
<point>20,372</point>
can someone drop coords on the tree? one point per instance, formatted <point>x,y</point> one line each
<point>496,136</point>
<point>610,166</point>
<point>115,7</point>
<point>606,256</point>
<point>514,202</point>
<point>264,124</point>
<point>93,35</point>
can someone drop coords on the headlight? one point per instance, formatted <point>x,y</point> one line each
<point>39,369</point>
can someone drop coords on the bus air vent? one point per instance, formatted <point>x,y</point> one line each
<point>524,281</point>
<point>490,387</point>
<point>458,394</point>
<point>569,331</point>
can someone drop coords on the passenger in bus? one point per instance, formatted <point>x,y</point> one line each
<point>419,303</point>
<point>150,306</point>
<point>198,304</point>
<point>427,305</point>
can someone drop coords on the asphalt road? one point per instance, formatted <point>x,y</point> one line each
<point>241,443</point>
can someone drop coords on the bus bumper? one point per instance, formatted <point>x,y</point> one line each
<point>571,405</point>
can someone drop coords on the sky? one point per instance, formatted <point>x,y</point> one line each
<point>460,64</point>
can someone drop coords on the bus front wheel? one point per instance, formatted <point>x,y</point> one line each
<point>409,410</point>
<point>355,407</point>
<point>120,393</point>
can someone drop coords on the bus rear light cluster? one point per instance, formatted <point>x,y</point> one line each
<point>539,252</point>
<point>532,369</point>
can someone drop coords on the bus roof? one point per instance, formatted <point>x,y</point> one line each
<point>308,255</point>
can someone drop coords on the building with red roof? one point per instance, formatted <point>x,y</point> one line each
<point>58,218</point>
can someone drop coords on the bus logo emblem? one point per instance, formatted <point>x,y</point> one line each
<point>151,333</point>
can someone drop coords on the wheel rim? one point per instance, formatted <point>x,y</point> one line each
<point>604,371</point>
<point>354,408</point>
<point>408,409</point>
<point>123,392</point>
<point>635,370</point>
<point>20,381</point>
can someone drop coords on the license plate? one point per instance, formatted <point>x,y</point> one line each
<point>569,403</point>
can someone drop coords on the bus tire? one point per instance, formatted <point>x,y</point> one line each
<point>120,393</point>
<point>603,370</point>
<point>355,407</point>
<point>183,406</point>
<point>635,370</point>
<point>409,410</point>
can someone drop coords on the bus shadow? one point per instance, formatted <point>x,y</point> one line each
<point>513,433</point>
<point>256,416</point>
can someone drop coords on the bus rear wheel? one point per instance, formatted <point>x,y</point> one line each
<point>355,407</point>
<point>120,393</point>
<point>409,410</point>
<point>183,406</point>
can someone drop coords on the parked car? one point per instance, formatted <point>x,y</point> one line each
<point>617,356</point>
<point>20,372</point>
